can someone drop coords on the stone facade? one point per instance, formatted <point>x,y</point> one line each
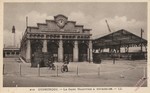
<point>60,38</point>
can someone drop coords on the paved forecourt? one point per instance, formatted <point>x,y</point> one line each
<point>124,73</point>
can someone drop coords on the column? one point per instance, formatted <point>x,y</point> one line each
<point>14,53</point>
<point>60,51</point>
<point>119,52</point>
<point>44,46</point>
<point>102,50</point>
<point>9,53</point>
<point>128,52</point>
<point>28,51</point>
<point>145,48</point>
<point>75,51</point>
<point>110,50</point>
<point>90,54</point>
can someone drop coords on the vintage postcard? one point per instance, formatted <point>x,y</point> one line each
<point>74,46</point>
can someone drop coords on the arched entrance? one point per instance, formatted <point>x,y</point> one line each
<point>68,51</point>
<point>52,48</point>
<point>36,46</point>
<point>36,53</point>
<point>83,52</point>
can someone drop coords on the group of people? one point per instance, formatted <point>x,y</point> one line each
<point>64,67</point>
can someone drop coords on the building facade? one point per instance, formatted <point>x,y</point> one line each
<point>60,38</point>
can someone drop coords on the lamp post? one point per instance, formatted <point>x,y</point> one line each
<point>68,53</point>
<point>113,56</point>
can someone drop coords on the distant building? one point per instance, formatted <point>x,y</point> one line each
<point>10,51</point>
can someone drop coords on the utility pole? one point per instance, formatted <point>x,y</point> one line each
<point>141,39</point>
<point>26,21</point>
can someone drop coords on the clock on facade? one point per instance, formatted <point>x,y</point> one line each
<point>61,23</point>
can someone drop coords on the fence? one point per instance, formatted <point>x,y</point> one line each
<point>75,69</point>
<point>21,69</point>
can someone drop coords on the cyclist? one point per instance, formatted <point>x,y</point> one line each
<point>51,64</point>
<point>65,65</point>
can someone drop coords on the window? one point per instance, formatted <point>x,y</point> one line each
<point>8,53</point>
<point>13,53</point>
<point>17,53</point>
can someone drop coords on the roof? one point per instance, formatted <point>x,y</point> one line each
<point>11,48</point>
<point>119,38</point>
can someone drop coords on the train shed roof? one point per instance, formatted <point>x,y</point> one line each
<point>121,38</point>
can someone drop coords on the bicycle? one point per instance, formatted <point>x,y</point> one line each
<point>52,66</point>
<point>64,68</point>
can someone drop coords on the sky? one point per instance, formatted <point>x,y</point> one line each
<point>122,15</point>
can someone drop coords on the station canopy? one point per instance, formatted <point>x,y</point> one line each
<point>120,38</point>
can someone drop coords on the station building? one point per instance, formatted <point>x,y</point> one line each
<point>60,38</point>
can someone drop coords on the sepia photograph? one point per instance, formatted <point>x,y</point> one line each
<point>75,44</point>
